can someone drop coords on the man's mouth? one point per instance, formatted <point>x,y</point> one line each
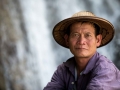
<point>81,48</point>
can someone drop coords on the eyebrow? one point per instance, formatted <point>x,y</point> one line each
<point>88,32</point>
<point>83,32</point>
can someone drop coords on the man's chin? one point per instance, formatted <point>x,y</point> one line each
<point>82,55</point>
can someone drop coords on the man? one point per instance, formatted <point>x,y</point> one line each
<point>83,33</point>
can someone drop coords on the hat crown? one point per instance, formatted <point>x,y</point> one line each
<point>83,13</point>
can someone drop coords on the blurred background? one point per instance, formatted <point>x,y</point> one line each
<point>28,53</point>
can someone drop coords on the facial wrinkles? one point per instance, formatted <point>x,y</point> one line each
<point>82,35</point>
<point>81,42</point>
<point>78,27</point>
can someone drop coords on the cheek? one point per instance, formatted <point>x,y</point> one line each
<point>92,43</point>
<point>71,43</point>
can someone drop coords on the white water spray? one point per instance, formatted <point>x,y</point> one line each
<point>34,12</point>
<point>39,38</point>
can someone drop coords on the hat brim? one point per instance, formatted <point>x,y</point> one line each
<point>106,28</point>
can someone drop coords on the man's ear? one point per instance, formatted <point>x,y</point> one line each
<point>66,39</point>
<point>99,39</point>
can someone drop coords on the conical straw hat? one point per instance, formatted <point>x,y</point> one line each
<point>106,28</point>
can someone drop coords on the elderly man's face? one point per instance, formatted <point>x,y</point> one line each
<point>82,40</point>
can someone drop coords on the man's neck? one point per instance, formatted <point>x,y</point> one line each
<point>81,63</point>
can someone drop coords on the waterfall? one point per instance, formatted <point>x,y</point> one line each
<point>40,17</point>
<point>37,54</point>
<point>39,38</point>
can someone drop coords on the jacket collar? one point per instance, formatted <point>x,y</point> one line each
<point>70,63</point>
<point>91,63</point>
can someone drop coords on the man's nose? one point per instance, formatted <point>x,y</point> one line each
<point>81,40</point>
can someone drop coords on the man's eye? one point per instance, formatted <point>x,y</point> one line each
<point>76,35</point>
<point>87,35</point>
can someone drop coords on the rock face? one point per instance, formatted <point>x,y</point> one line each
<point>2,80</point>
<point>18,70</point>
<point>11,33</point>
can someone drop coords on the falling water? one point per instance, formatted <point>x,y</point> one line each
<point>39,37</point>
<point>38,17</point>
<point>44,54</point>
